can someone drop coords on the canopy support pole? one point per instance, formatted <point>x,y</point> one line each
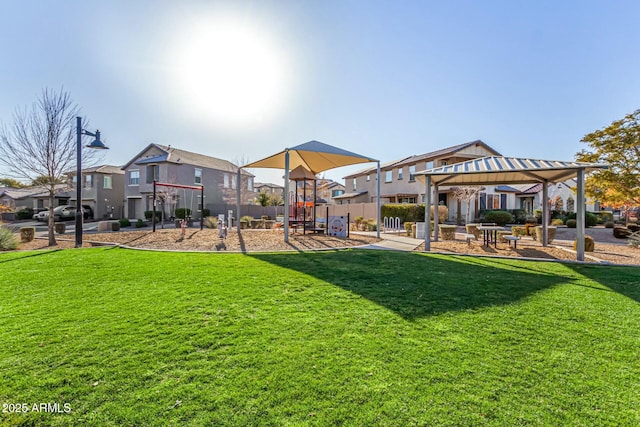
<point>286,196</point>
<point>378,201</point>
<point>580,216</point>
<point>238,196</point>
<point>427,214</point>
<point>545,212</point>
<point>436,205</point>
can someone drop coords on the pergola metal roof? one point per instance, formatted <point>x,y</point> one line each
<point>505,170</point>
<point>494,170</point>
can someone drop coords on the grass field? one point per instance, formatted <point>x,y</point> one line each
<point>334,338</point>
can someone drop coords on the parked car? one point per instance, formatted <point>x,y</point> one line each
<point>62,213</point>
<point>41,216</point>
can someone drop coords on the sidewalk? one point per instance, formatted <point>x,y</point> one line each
<point>391,241</point>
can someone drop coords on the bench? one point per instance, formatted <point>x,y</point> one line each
<point>513,239</point>
<point>469,237</point>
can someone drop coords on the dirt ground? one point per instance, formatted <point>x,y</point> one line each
<point>607,248</point>
<point>208,240</point>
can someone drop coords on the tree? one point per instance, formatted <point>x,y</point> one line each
<point>617,145</point>
<point>263,198</point>
<point>9,182</point>
<point>41,144</point>
<point>466,194</point>
<point>44,180</point>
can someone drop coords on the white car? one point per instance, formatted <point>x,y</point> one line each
<point>41,216</point>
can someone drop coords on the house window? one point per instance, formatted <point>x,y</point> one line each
<point>443,163</point>
<point>336,193</point>
<point>233,181</point>
<point>388,176</point>
<point>406,199</point>
<point>134,177</point>
<point>88,181</point>
<point>399,173</point>
<point>430,165</point>
<point>250,184</point>
<point>107,182</point>
<point>197,176</point>
<point>226,180</point>
<point>368,178</point>
<point>153,173</point>
<point>493,201</point>
<point>412,173</point>
<point>354,184</point>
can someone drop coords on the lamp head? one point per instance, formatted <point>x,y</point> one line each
<point>96,143</point>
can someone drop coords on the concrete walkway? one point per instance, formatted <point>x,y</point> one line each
<point>391,241</point>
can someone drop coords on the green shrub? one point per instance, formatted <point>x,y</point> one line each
<point>499,217</point>
<point>589,244</point>
<point>531,220</point>
<point>149,214</point>
<point>411,212</point>
<point>206,213</point>
<point>571,223</point>
<point>519,231</point>
<point>141,223</point>
<point>557,222</point>
<point>609,224</point>
<point>24,213</point>
<point>407,227</point>
<point>603,216</point>
<point>246,218</point>
<point>124,222</point>
<point>182,213</point>
<point>8,241</point>
<point>590,219</point>
<point>210,222</point>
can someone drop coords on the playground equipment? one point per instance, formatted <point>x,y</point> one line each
<point>302,212</point>
<point>184,187</point>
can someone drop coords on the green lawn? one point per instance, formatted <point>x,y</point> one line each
<point>334,338</point>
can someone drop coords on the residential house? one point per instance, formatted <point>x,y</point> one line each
<point>328,190</point>
<point>36,198</point>
<point>268,188</point>
<point>103,190</point>
<point>398,183</point>
<point>170,165</point>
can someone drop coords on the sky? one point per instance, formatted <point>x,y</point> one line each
<point>241,80</point>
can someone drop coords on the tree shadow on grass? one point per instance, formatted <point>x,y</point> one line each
<point>19,255</point>
<point>415,285</point>
<point>621,279</point>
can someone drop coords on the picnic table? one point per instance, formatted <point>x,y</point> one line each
<point>489,234</point>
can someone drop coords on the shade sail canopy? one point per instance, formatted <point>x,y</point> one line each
<point>313,156</point>
<point>300,174</point>
<point>505,170</point>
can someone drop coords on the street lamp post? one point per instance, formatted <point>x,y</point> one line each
<point>97,144</point>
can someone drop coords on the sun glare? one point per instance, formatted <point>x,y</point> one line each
<point>230,74</point>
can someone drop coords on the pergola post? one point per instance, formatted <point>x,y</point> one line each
<point>545,212</point>
<point>378,200</point>
<point>286,196</point>
<point>238,196</point>
<point>580,215</point>
<point>436,205</point>
<point>427,213</point>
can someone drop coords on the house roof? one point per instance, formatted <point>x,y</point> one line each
<point>423,157</point>
<point>501,170</point>
<point>38,191</point>
<point>178,156</point>
<point>266,184</point>
<point>106,169</point>
<point>506,189</point>
<point>351,195</point>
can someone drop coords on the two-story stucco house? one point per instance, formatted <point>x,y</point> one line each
<point>174,166</point>
<point>398,181</point>
<point>102,190</point>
